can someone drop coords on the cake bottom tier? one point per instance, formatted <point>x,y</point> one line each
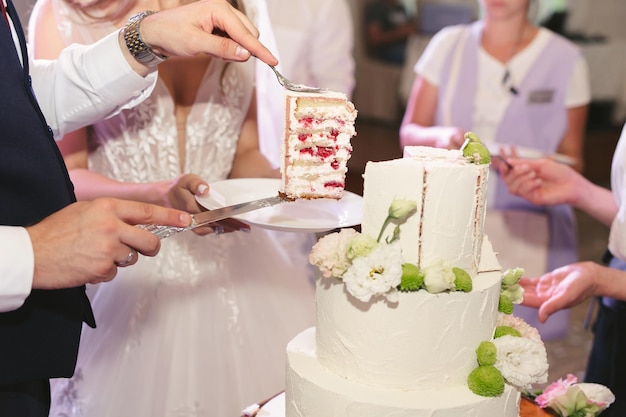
<point>314,391</point>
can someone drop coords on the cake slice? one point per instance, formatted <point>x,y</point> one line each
<point>316,145</point>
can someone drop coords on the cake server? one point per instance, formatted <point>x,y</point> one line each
<point>212,216</point>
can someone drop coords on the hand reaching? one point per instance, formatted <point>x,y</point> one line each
<point>181,194</point>
<point>562,288</point>
<point>85,241</point>
<point>542,181</point>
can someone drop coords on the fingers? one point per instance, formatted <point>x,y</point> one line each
<point>143,213</point>
<point>545,311</point>
<point>242,38</point>
<point>521,180</point>
<point>210,27</point>
<point>130,259</point>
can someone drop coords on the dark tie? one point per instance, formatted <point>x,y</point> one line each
<point>4,11</point>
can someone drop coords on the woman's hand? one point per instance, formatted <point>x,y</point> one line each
<point>181,194</point>
<point>542,181</point>
<point>562,288</point>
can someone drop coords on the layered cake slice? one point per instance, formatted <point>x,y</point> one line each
<point>316,145</point>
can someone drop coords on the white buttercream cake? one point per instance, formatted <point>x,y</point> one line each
<point>397,352</point>
<point>316,144</point>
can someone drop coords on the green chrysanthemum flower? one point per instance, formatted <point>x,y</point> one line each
<point>506,331</point>
<point>462,280</point>
<point>486,381</point>
<point>505,305</point>
<point>412,278</point>
<point>474,150</point>
<point>486,353</point>
<point>512,276</point>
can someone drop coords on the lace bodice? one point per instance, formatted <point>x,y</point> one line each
<point>141,144</point>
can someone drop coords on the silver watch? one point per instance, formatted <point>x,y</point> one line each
<point>137,47</point>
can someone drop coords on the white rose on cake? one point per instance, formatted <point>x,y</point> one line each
<point>438,277</point>
<point>380,272</point>
<point>521,361</point>
<point>330,253</point>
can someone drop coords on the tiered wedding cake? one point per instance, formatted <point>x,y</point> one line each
<point>403,306</point>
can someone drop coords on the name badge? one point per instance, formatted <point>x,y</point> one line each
<point>540,96</point>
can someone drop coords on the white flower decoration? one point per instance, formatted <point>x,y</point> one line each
<point>438,277</point>
<point>380,272</point>
<point>330,253</point>
<point>521,361</point>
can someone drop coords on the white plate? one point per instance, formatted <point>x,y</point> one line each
<point>529,153</point>
<point>318,215</point>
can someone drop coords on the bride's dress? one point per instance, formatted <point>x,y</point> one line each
<point>201,329</point>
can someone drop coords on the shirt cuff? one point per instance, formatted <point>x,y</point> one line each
<point>117,83</point>
<point>17,264</point>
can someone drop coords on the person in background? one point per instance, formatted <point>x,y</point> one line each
<point>546,182</point>
<point>388,27</point>
<point>201,330</point>
<point>52,245</point>
<point>519,88</point>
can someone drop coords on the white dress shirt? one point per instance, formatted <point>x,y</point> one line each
<point>85,84</point>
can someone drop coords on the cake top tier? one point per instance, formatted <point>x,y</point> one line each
<point>450,194</point>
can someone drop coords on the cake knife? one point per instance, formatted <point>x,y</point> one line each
<point>212,216</point>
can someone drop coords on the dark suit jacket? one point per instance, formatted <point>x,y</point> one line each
<point>40,339</point>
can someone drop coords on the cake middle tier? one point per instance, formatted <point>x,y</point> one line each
<point>424,341</point>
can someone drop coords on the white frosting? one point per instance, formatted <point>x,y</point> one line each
<point>425,341</point>
<point>313,391</point>
<point>450,196</point>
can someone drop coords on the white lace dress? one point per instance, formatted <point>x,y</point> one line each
<point>201,329</point>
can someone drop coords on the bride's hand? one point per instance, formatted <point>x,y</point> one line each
<point>182,195</point>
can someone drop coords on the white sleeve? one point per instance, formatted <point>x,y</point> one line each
<point>617,235</point>
<point>579,87</point>
<point>430,63</point>
<point>86,84</point>
<point>17,264</point>
<point>331,43</point>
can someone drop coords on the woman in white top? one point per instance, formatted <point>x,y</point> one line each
<point>518,87</point>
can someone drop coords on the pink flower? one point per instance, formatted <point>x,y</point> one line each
<point>568,398</point>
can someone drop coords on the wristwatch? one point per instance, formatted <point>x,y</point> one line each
<point>137,47</point>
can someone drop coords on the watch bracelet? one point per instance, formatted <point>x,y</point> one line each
<point>135,44</point>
